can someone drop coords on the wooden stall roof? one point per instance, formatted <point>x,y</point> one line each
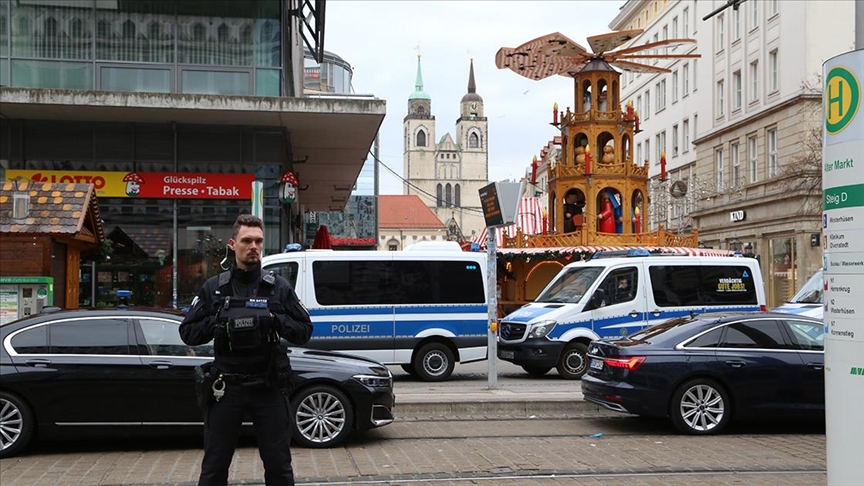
<point>65,211</point>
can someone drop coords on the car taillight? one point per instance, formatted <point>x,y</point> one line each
<point>626,363</point>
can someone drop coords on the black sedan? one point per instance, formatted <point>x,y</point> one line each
<point>126,372</point>
<point>702,371</point>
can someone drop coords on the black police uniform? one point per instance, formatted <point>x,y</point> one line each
<point>247,391</point>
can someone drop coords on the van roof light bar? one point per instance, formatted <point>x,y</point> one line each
<point>633,252</point>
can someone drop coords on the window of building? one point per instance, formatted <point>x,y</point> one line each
<point>754,15</point>
<point>736,90</point>
<point>736,166</point>
<point>473,140</point>
<point>639,105</point>
<point>685,132</point>
<point>141,80</point>
<point>695,125</point>
<point>685,21</point>
<point>695,75</point>
<point>721,98</point>
<point>647,151</point>
<point>773,67</point>
<point>457,196</point>
<point>685,80</point>
<point>675,27</point>
<point>639,159</point>
<point>753,159</point>
<point>721,32</point>
<point>675,86</point>
<point>665,32</point>
<point>675,140</point>
<point>661,95</point>
<point>754,81</point>
<point>421,139</point>
<point>773,7</point>
<point>771,136</point>
<point>647,114</point>
<point>448,195</point>
<point>439,193</point>
<point>718,167</point>
<point>661,145</point>
<point>736,25</point>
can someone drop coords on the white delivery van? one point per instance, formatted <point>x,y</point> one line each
<point>808,300</point>
<point>424,308</point>
<point>617,293</point>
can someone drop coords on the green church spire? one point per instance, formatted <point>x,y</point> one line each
<point>418,93</point>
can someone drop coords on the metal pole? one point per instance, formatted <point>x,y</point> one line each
<point>859,24</point>
<point>176,231</point>
<point>492,288</point>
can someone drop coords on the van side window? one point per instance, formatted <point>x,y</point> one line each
<point>351,282</point>
<point>286,270</point>
<point>399,282</point>
<point>727,285</point>
<point>675,285</point>
<point>620,285</point>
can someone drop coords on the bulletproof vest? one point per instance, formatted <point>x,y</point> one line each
<point>244,341</point>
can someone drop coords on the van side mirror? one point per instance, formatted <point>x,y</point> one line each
<point>598,299</point>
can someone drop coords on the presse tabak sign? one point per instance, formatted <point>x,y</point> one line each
<point>157,185</point>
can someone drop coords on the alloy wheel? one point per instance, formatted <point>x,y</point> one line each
<point>702,408</point>
<point>321,417</point>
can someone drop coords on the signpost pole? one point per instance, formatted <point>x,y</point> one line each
<point>492,288</point>
<point>843,263</point>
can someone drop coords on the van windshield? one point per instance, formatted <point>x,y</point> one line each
<point>570,285</point>
<point>811,292</point>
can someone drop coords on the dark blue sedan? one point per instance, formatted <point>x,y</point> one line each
<point>703,371</point>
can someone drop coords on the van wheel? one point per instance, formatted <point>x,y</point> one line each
<point>434,362</point>
<point>410,369</point>
<point>536,370</point>
<point>573,362</point>
<point>17,424</point>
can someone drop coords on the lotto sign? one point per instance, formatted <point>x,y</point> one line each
<point>842,97</point>
<point>160,185</point>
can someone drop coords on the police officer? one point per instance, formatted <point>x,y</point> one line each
<point>243,386</point>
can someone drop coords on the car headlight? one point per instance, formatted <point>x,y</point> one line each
<point>541,329</point>
<point>374,381</point>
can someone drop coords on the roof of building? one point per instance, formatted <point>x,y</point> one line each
<point>56,209</point>
<point>418,93</point>
<point>472,87</point>
<point>405,211</point>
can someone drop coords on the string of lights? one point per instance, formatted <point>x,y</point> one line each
<point>434,197</point>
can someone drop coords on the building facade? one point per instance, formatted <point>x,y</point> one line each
<point>753,138</point>
<point>447,175</point>
<point>173,109</point>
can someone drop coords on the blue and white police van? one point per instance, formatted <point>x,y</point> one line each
<point>808,301</point>
<point>616,294</point>
<point>424,308</point>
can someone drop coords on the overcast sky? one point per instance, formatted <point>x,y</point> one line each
<point>380,38</point>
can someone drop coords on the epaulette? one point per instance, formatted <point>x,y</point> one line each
<point>224,278</point>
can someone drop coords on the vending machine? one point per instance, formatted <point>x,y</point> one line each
<point>24,296</point>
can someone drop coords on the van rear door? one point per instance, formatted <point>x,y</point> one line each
<point>621,311</point>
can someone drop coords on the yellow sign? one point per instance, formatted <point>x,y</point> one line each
<point>842,98</point>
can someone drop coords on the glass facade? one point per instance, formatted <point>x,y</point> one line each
<point>186,46</point>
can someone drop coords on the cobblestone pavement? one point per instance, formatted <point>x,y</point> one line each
<point>439,452</point>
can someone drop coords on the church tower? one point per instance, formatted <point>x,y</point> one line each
<point>447,174</point>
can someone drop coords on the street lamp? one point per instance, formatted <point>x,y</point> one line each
<point>735,244</point>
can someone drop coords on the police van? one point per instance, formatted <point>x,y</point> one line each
<point>808,300</point>
<point>424,308</point>
<point>617,293</point>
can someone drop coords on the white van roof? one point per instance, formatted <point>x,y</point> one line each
<point>434,246</point>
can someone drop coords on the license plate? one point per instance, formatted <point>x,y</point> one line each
<point>596,364</point>
<point>507,354</point>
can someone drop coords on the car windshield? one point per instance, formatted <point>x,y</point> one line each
<point>570,285</point>
<point>811,292</point>
<point>654,331</point>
